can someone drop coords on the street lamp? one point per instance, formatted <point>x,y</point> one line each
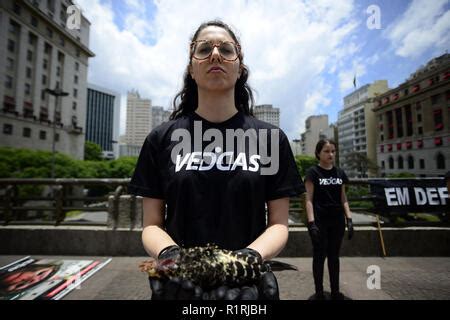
<point>57,93</point>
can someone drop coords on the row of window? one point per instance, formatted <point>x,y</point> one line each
<point>26,132</point>
<point>416,88</point>
<point>440,162</point>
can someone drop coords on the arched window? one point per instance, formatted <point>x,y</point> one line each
<point>440,161</point>
<point>410,162</point>
<point>400,162</point>
<point>391,163</point>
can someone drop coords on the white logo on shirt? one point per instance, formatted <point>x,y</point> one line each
<point>207,160</point>
<point>236,142</point>
<point>329,181</point>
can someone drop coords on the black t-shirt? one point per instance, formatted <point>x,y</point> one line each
<point>215,190</point>
<point>327,190</point>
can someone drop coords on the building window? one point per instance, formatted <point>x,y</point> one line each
<point>422,164</point>
<point>11,45</point>
<point>44,79</point>
<point>26,132</point>
<point>60,56</point>
<point>78,53</point>
<point>410,162</point>
<point>8,82</point>
<point>409,120</point>
<point>17,9</point>
<point>42,135</point>
<point>77,66</point>
<point>391,163</point>
<point>399,122</point>
<point>420,130</point>
<point>49,32</point>
<point>74,105</point>
<point>56,137</point>
<point>29,55</point>
<point>58,71</point>
<point>61,41</point>
<point>382,164</point>
<point>44,64</point>
<point>440,161</point>
<point>13,27</point>
<point>400,162</point>
<point>51,5</point>
<point>75,79</point>
<point>75,93</point>
<point>9,64</point>
<point>31,38</point>
<point>28,72</point>
<point>438,121</point>
<point>27,88</point>
<point>42,94</point>
<point>63,12</point>
<point>34,21</point>
<point>419,117</point>
<point>435,99</point>
<point>7,128</point>
<point>47,48</point>
<point>390,121</point>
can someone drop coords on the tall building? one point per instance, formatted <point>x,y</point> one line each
<point>138,125</point>
<point>413,122</point>
<point>38,52</point>
<point>356,129</point>
<point>314,126</point>
<point>102,120</point>
<point>159,116</point>
<point>267,113</point>
<point>296,147</point>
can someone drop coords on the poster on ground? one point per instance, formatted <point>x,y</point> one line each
<point>45,279</point>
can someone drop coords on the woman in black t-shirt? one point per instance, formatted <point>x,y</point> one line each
<point>215,189</point>
<point>327,207</point>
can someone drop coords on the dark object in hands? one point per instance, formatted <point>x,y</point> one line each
<point>208,267</point>
<point>350,228</point>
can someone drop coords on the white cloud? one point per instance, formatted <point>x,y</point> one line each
<point>288,46</point>
<point>424,25</point>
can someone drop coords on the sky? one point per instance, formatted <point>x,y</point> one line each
<point>302,55</point>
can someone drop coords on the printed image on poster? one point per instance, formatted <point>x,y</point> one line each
<point>45,279</point>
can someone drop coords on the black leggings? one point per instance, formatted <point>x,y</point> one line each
<point>331,230</point>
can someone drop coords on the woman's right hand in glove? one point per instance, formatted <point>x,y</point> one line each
<point>314,231</point>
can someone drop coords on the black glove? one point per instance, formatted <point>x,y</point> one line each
<point>314,232</point>
<point>350,228</point>
<point>175,288</point>
<point>268,287</point>
<point>249,252</point>
<point>170,252</point>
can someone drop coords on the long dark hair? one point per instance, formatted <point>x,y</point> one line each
<point>320,145</point>
<point>188,96</point>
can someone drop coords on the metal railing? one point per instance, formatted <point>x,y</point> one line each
<point>58,202</point>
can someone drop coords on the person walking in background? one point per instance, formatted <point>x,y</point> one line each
<point>328,212</point>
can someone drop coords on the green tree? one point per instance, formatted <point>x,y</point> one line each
<point>359,162</point>
<point>92,151</point>
<point>304,162</point>
<point>122,167</point>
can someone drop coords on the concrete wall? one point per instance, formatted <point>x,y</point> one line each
<point>94,241</point>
